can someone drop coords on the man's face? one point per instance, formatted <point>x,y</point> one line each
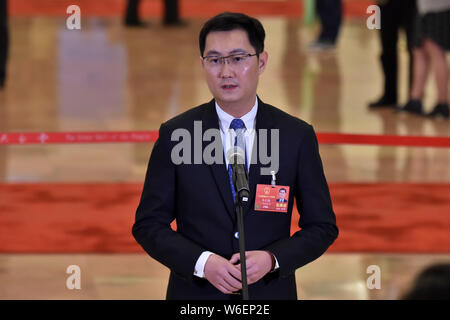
<point>282,194</point>
<point>231,84</point>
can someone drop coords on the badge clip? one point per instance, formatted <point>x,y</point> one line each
<point>274,178</point>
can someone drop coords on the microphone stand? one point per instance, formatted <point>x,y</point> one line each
<point>240,221</point>
<point>242,197</point>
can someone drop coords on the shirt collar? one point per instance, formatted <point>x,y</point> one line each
<point>248,118</point>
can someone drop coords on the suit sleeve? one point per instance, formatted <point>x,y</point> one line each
<point>317,219</point>
<point>156,211</point>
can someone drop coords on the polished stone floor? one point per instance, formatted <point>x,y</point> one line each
<point>135,276</point>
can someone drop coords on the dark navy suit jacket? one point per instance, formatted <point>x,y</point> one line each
<point>198,196</point>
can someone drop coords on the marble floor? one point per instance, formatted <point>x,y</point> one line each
<point>109,78</point>
<point>136,276</point>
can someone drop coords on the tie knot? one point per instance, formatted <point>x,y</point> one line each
<point>237,124</point>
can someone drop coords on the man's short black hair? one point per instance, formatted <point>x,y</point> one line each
<point>227,21</point>
<point>282,189</point>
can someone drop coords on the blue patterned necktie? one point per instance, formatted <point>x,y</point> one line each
<point>239,141</point>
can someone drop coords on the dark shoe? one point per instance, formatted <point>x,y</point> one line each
<point>441,109</point>
<point>412,106</point>
<point>135,23</point>
<point>384,103</point>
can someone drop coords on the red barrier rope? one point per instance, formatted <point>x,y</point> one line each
<point>151,136</point>
<point>383,140</point>
<point>78,137</point>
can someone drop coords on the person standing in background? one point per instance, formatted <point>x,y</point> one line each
<point>171,14</point>
<point>132,14</point>
<point>395,15</point>
<point>330,15</point>
<point>432,40</point>
<point>4,41</point>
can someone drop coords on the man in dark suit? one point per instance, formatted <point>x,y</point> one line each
<point>203,253</point>
<point>282,195</point>
<point>4,41</point>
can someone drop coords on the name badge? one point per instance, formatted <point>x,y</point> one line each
<point>271,198</point>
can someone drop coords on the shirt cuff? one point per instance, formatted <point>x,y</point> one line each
<point>200,264</point>
<point>277,266</point>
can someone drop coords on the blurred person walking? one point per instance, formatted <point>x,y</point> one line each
<point>432,40</point>
<point>171,14</point>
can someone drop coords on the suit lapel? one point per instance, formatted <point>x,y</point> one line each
<point>219,171</point>
<point>263,121</point>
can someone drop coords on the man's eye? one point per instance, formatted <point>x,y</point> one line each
<point>214,60</point>
<point>237,59</point>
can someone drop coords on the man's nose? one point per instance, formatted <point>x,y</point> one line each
<point>225,69</point>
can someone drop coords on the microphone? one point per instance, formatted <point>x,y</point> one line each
<point>235,157</point>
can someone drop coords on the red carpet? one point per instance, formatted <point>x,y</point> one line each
<point>97,218</point>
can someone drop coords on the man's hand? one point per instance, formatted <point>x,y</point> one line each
<point>259,263</point>
<point>222,274</point>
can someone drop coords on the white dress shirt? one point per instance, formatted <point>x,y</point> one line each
<point>228,135</point>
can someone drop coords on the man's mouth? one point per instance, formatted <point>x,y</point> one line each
<point>229,86</point>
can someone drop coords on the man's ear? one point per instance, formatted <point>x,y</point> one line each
<point>202,62</point>
<point>263,57</point>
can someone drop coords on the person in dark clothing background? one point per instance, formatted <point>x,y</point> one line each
<point>3,41</point>
<point>431,42</point>
<point>171,14</point>
<point>433,283</point>
<point>395,15</point>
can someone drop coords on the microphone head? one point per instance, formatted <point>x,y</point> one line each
<point>236,155</point>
